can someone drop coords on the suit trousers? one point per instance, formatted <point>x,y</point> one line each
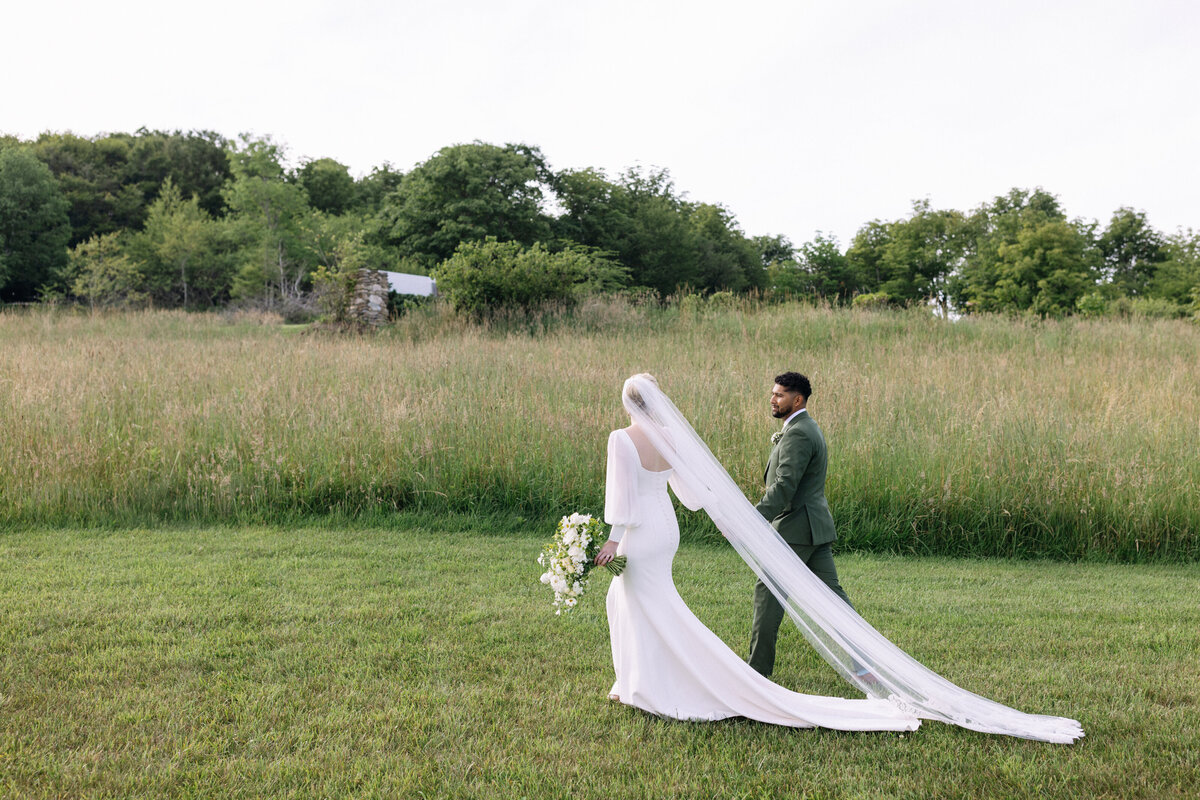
<point>768,613</point>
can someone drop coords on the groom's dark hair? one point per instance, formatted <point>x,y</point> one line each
<point>795,382</point>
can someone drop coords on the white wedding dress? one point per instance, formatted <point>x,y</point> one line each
<point>667,662</point>
<point>670,664</point>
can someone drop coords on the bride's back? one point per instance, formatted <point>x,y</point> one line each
<point>649,457</point>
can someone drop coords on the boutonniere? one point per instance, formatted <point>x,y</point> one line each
<point>776,436</point>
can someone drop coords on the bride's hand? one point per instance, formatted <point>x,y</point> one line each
<point>606,554</point>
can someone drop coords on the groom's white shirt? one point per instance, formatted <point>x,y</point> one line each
<point>793,416</point>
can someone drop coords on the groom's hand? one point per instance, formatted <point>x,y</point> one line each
<point>606,554</point>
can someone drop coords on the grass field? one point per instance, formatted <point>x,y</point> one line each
<point>360,662</point>
<point>985,437</point>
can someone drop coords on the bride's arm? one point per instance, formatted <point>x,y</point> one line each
<point>692,499</point>
<point>619,486</point>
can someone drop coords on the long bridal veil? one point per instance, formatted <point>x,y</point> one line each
<point>839,634</point>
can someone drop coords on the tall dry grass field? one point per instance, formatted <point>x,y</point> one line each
<point>985,436</point>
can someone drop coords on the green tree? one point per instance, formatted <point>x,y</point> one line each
<point>34,226</point>
<point>1026,257</point>
<point>777,254</point>
<point>786,280</point>
<point>1177,276</point>
<point>923,253</point>
<point>268,209</point>
<point>641,219</point>
<point>827,272</point>
<point>772,249</point>
<point>1132,251</point>
<point>328,184</point>
<point>103,275</point>
<point>1045,270</point>
<point>111,180</point>
<point>186,255</point>
<point>725,258</point>
<point>595,211</point>
<point>196,162</point>
<point>865,255</point>
<point>329,239</point>
<point>465,193</point>
<point>337,246</point>
<point>666,241</point>
<point>92,173</point>
<point>373,189</point>
<point>661,243</point>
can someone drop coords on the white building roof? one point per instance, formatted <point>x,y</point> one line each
<point>403,283</point>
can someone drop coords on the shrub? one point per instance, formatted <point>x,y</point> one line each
<point>1156,308</point>
<point>720,301</point>
<point>785,280</point>
<point>873,301</point>
<point>689,303</point>
<point>333,289</point>
<point>1092,304</point>
<point>483,277</point>
<point>400,304</point>
<point>104,276</point>
<point>299,310</point>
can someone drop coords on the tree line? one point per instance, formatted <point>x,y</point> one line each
<point>196,220</point>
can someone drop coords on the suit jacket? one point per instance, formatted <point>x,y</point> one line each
<point>794,501</point>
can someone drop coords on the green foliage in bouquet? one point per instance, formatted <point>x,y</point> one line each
<point>571,555</point>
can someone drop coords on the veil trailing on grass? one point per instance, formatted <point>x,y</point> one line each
<point>839,634</point>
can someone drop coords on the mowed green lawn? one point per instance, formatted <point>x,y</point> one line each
<point>323,662</point>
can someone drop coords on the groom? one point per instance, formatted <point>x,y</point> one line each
<point>794,504</point>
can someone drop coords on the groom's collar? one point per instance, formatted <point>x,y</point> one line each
<point>793,416</point>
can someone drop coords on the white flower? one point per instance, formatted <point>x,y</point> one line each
<point>567,558</point>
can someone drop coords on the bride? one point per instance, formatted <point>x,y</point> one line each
<point>668,663</point>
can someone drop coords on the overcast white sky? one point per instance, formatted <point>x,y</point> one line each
<point>798,116</point>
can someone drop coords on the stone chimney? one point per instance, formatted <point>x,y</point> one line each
<point>368,304</point>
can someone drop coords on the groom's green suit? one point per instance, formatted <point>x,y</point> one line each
<point>795,505</point>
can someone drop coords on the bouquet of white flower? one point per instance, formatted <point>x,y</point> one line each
<point>570,556</point>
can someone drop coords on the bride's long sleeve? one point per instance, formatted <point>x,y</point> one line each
<point>620,485</point>
<point>688,487</point>
<point>692,499</point>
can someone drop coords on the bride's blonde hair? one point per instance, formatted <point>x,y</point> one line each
<point>631,390</point>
